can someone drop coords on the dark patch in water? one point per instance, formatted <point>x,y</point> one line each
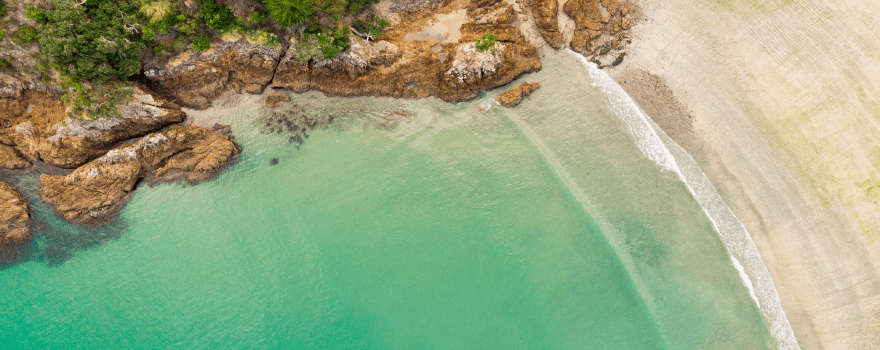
<point>54,241</point>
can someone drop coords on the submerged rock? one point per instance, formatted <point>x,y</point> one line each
<point>274,99</point>
<point>93,194</point>
<point>512,98</point>
<point>14,219</point>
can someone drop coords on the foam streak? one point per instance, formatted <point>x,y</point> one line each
<point>743,252</point>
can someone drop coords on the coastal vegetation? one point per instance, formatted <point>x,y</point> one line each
<point>96,46</point>
<point>486,42</point>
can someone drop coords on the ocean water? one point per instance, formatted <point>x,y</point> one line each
<point>401,225</point>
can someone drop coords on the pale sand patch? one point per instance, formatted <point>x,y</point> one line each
<point>445,28</point>
<point>785,99</point>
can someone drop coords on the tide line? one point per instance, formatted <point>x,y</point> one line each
<point>742,250</point>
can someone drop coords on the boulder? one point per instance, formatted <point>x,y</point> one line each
<point>93,194</point>
<point>512,98</point>
<point>14,219</point>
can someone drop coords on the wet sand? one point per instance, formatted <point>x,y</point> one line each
<point>779,102</point>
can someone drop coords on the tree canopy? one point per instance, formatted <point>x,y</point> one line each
<point>91,42</point>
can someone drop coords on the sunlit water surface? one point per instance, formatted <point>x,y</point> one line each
<point>448,228</point>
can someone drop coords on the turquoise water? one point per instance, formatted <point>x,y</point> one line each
<point>541,227</point>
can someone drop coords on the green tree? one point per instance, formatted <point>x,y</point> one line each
<point>289,12</point>
<point>91,42</point>
<point>216,16</point>
<point>2,8</point>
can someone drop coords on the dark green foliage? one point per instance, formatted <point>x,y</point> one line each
<point>320,43</point>
<point>356,5</point>
<point>24,34</point>
<point>216,16</point>
<point>259,17</point>
<point>99,100</point>
<point>201,43</point>
<point>487,41</point>
<point>147,34</point>
<point>36,14</point>
<point>3,8</point>
<point>170,20</point>
<point>371,26</point>
<point>289,12</point>
<point>91,42</point>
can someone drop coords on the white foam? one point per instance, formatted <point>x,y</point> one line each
<point>733,234</point>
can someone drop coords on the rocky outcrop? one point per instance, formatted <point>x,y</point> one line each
<point>513,97</point>
<point>600,27</point>
<point>274,99</point>
<point>93,194</point>
<point>14,219</point>
<point>408,69</point>
<point>11,159</point>
<point>72,142</point>
<point>546,14</point>
<point>195,79</point>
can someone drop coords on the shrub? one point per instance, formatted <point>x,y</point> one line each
<point>216,16</point>
<point>147,34</point>
<point>371,27</point>
<point>90,42</point>
<point>25,34</point>
<point>289,12</point>
<point>318,43</point>
<point>356,5</point>
<point>36,14</point>
<point>487,41</point>
<point>2,8</point>
<point>263,37</point>
<point>259,17</point>
<point>201,43</point>
<point>157,10</point>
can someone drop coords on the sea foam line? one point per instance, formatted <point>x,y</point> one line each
<point>733,234</point>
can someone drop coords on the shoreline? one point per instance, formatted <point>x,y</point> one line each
<point>705,87</point>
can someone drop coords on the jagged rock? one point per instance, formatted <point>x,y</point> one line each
<point>405,69</point>
<point>547,18</point>
<point>14,219</point>
<point>93,194</point>
<point>194,80</point>
<point>594,19</point>
<point>512,98</point>
<point>73,142</point>
<point>222,128</point>
<point>490,12</point>
<point>274,99</point>
<point>11,159</point>
<point>470,66</point>
<point>188,154</point>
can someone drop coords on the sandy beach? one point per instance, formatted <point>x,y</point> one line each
<point>779,103</point>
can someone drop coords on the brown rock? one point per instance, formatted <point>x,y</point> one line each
<point>72,142</point>
<point>274,99</point>
<point>407,69</point>
<point>14,219</point>
<point>593,18</point>
<point>195,79</point>
<point>11,159</point>
<point>512,98</point>
<point>546,14</point>
<point>93,194</point>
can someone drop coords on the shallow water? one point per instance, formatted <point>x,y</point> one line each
<point>541,227</point>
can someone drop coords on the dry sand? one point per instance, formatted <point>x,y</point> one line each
<point>779,102</point>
